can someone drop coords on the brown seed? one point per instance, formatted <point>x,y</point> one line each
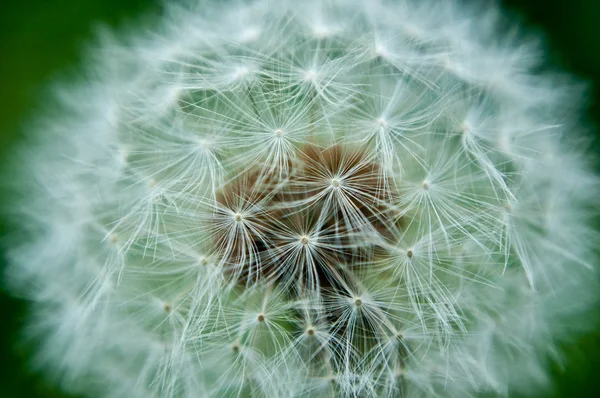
<point>274,207</point>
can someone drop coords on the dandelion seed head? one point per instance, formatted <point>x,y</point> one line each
<point>334,198</point>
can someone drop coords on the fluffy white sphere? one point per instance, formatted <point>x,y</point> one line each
<point>308,199</point>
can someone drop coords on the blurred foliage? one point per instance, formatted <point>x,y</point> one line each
<point>42,38</point>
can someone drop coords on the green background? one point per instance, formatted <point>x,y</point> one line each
<point>42,39</point>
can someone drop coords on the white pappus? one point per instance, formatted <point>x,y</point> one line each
<point>349,198</point>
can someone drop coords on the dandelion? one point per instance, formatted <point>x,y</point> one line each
<point>333,198</point>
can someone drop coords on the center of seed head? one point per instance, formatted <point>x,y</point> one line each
<point>278,132</point>
<point>294,207</point>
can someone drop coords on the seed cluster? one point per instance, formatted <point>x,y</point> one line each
<point>311,230</point>
<point>353,198</point>
<point>309,227</point>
